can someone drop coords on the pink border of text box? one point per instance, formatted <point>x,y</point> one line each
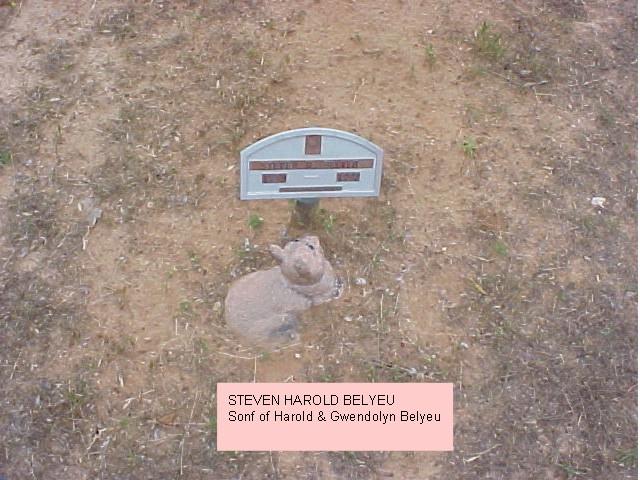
<point>334,436</point>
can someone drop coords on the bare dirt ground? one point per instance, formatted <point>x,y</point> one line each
<point>487,264</point>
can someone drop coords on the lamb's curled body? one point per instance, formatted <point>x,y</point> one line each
<point>264,306</point>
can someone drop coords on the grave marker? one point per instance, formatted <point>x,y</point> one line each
<point>310,163</point>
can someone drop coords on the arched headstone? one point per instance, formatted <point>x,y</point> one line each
<point>310,163</point>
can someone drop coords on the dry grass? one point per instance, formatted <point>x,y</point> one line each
<point>490,270</point>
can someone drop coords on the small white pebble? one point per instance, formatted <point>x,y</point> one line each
<point>297,355</point>
<point>464,345</point>
<point>361,281</point>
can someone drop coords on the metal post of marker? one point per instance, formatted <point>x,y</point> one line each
<point>305,209</point>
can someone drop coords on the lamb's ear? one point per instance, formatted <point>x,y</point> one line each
<point>277,253</point>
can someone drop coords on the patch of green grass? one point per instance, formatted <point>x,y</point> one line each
<point>255,221</point>
<point>488,42</point>
<point>123,343</point>
<point>221,181</point>
<point>213,425</point>
<point>375,261</point>
<point>605,117</point>
<point>74,398</point>
<point>269,24</point>
<point>430,55</point>
<point>388,214</point>
<point>201,344</point>
<point>474,72</point>
<point>469,147</point>
<point>500,248</point>
<point>132,458</point>
<point>628,458</point>
<point>253,54</point>
<point>326,219</point>
<point>185,307</point>
<point>245,252</point>
<point>5,157</point>
<point>76,395</point>
<point>118,23</point>
<point>571,470</point>
<point>412,73</point>
<point>194,259</point>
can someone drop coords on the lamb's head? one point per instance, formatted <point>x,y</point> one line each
<point>301,261</point>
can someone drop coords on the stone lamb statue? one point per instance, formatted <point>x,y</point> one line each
<point>263,306</point>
